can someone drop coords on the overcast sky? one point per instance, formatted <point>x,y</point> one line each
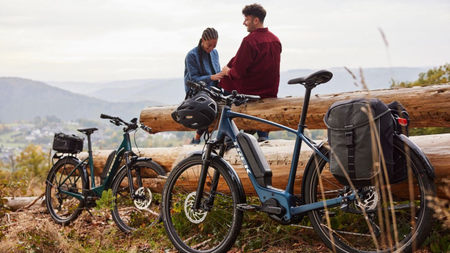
<point>108,40</point>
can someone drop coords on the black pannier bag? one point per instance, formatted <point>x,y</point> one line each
<point>353,145</point>
<point>65,143</point>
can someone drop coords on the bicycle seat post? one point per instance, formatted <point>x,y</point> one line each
<point>89,143</point>
<point>88,132</point>
<point>311,81</point>
<point>305,107</point>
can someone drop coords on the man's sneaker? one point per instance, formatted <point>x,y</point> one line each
<point>261,139</point>
<point>195,142</point>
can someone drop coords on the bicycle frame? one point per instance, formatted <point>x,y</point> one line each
<point>123,150</point>
<point>284,197</point>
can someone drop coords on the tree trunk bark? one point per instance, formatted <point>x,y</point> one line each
<point>15,203</point>
<point>427,106</point>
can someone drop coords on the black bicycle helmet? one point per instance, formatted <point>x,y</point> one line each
<point>197,112</point>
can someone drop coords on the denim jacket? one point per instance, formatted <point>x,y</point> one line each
<point>192,69</point>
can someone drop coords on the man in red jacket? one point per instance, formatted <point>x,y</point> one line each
<point>255,70</point>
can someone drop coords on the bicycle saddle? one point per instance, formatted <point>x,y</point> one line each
<point>87,131</point>
<point>316,78</point>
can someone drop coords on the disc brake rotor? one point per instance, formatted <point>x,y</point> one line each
<point>193,216</point>
<point>370,199</point>
<point>145,198</point>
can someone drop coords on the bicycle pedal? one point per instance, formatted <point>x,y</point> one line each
<point>245,207</point>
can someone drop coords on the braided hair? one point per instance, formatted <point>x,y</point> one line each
<point>208,33</point>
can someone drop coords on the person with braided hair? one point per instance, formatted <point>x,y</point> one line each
<point>202,64</point>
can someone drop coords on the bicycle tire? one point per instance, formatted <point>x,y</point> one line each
<point>64,208</point>
<point>214,230</point>
<point>408,225</point>
<point>128,214</point>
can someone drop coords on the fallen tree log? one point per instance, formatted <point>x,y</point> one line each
<point>427,106</point>
<point>16,203</point>
<point>278,154</point>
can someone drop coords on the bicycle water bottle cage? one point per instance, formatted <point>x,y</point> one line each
<point>255,159</point>
<point>311,81</point>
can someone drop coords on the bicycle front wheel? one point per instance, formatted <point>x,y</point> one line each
<point>397,220</point>
<point>143,208</point>
<point>63,176</point>
<point>215,226</point>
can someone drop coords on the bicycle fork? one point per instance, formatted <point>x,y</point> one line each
<point>129,165</point>
<point>206,158</point>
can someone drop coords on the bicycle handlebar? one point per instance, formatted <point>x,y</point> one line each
<point>234,98</point>
<point>133,125</point>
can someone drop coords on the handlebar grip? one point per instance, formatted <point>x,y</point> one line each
<point>253,97</point>
<point>104,116</point>
<point>193,85</point>
<point>146,128</point>
<point>198,86</point>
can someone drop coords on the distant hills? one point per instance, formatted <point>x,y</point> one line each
<point>170,91</point>
<point>24,99</point>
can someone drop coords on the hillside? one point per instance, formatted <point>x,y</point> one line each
<point>170,91</point>
<point>23,99</point>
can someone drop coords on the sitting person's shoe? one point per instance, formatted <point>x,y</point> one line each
<point>228,144</point>
<point>261,139</point>
<point>195,142</point>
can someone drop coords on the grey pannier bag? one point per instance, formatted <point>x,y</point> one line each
<point>354,145</point>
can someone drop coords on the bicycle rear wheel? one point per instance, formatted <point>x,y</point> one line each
<point>62,207</point>
<point>215,226</point>
<point>142,210</point>
<point>402,226</point>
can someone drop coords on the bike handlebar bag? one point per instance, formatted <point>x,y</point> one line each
<point>360,134</point>
<point>65,143</point>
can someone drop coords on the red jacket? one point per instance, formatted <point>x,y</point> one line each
<point>255,70</point>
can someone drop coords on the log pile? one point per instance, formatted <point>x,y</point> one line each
<point>279,153</point>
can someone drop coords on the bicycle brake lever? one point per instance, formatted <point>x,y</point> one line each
<point>240,102</point>
<point>115,122</point>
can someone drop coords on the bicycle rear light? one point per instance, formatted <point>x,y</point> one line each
<point>402,121</point>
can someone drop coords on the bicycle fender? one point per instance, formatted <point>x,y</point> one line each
<point>230,170</point>
<point>423,158</point>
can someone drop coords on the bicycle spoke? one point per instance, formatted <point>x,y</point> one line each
<point>62,207</point>
<point>143,209</point>
<point>377,222</point>
<point>210,227</point>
